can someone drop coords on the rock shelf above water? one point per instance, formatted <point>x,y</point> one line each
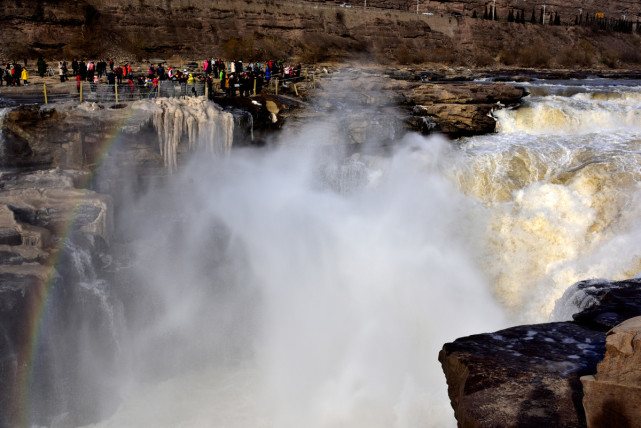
<point>531,375</point>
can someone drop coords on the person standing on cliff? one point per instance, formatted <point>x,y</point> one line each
<point>17,73</point>
<point>111,78</point>
<point>82,70</point>
<point>61,72</point>
<point>25,76</point>
<point>42,67</point>
<point>91,68</point>
<point>206,67</point>
<point>119,74</point>
<point>74,67</point>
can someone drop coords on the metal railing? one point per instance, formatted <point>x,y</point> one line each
<point>116,93</point>
<point>101,92</point>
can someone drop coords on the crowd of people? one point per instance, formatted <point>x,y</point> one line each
<point>231,77</point>
<point>14,74</point>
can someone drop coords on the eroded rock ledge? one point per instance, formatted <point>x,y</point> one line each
<point>531,375</point>
<point>43,218</point>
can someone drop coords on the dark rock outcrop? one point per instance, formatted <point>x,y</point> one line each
<point>530,375</point>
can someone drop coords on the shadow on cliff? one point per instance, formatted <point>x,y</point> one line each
<point>613,415</point>
<point>538,410</point>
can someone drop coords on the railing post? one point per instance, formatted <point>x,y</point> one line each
<point>80,91</point>
<point>254,86</point>
<point>295,89</point>
<point>276,85</point>
<point>116,86</point>
<point>206,91</point>
<point>44,88</point>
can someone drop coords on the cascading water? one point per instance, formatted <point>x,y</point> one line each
<point>303,286</point>
<point>562,180</point>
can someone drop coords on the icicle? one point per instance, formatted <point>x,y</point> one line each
<point>204,124</point>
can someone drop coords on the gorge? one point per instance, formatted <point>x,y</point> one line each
<point>201,280</point>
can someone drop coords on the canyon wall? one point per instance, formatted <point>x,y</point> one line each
<point>311,30</point>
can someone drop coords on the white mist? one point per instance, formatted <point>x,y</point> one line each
<point>337,282</point>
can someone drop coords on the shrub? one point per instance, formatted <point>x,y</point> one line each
<point>581,54</point>
<point>534,57</point>
<point>509,56</point>
<point>610,59</point>
<point>483,59</point>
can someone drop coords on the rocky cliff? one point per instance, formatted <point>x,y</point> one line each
<point>612,396</point>
<point>531,375</point>
<point>311,30</point>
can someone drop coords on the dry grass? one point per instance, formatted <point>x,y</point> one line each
<point>578,55</point>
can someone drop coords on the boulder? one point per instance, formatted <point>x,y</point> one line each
<point>612,397</point>
<point>521,376</point>
<point>459,119</point>
<point>463,108</point>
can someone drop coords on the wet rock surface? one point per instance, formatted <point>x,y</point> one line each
<point>530,375</point>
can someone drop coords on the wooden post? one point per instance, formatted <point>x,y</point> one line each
<point>314,77</point>
<point>116,86</point>
<point>158,87</point>
<point>254,86</point>
<point>295,89</point>
<point>44,87</point>
<point>80,91</point>
<point>276,85</point>
<point>206,90</point>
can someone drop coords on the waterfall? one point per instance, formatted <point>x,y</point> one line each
<point>562,181</point>
<point>204,124</point>
<point>303,284</point>
<point>78,354</point>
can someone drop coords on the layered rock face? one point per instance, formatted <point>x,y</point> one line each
<point>463,108</point>
<point>364,104</point>
<point>567,9</point>
<point>52,234</point>
<point>531,375</point>
<point>612,397</point>
<point>279,28</point>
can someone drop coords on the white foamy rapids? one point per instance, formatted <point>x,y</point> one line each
<point>352,289</point>
<point>202,123</point>
<point>574,300</point>
<point>565,206</point>
<point>581,113</point>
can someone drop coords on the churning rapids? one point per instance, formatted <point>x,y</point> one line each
<point>296,286</point>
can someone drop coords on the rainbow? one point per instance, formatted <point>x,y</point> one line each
<point>39,297</point>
